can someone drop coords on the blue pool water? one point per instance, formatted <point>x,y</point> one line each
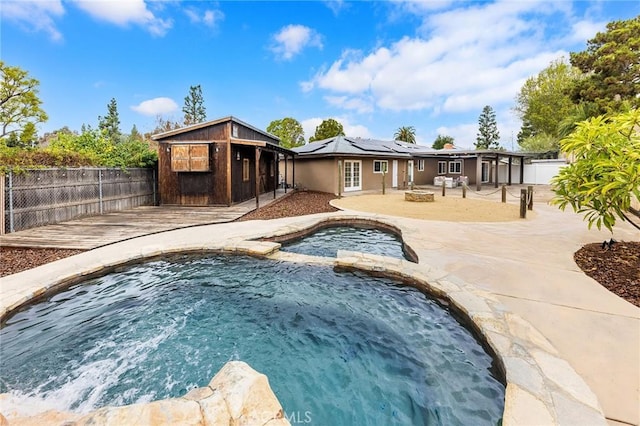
<point>327,241</point>
<point>338,348</point>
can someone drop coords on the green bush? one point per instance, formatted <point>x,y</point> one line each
<point>89,149</point>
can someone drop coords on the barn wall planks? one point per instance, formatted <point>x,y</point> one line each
<point>46,196</point>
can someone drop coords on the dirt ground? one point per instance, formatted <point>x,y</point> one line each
<point>617,269</point>
<point>452,208</point>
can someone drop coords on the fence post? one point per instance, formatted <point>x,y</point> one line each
<point>504,193</point>
<point>2,215</point>
<point>464,190</point>
<point>523,203</point>
<point>443,187</point>
<point>11,229</point>
<point>100,189</point>
<point>530,197</point>
<point>153,184</point>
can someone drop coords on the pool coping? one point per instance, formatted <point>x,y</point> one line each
<point>541,387</point>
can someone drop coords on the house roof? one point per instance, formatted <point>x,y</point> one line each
<point>342,145</point>
<point>357,147</point>
<point>174,132</point>
<point>469,153</point>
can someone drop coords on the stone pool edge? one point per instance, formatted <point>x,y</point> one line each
<point>542,388</point>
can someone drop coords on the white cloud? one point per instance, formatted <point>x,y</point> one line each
<point>350,103</point>
<point>210,18</point>
<point>126,12</point>
<point>290,40</point>
<point>465,134</point>
<point>353,130</point>
<point>336,6</point>
<point>156,106</point>
<point>581,31</point>
<point>34,15</point>
<point>464,58</point>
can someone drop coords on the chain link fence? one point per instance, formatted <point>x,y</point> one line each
<point>45,196</point>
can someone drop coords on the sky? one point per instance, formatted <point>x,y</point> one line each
<point>372,65</point>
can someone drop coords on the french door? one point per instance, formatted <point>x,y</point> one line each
<point>352,175</point>
<point>486,168</point>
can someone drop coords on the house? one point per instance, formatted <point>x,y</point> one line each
<point>343,164</point>
<point>219,162</point>
<point>359,164</point>
<point>476,167</point>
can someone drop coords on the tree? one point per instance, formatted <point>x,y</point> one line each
<point>194,110</point>
<point>329,128</point>
<point>110,124</point>
<point>135,135</point>
<point>441,141</point>
<point>526,131</point>
<point>543,100</point>
<point>405,134</point>
<point>165,125</point>
<point>605,176</point>
<point>612,65</point>
<point>19,101</point>
<point>579,113</point>
<point>289,130</point>
<point>540,142</point>
<point>488,135</point>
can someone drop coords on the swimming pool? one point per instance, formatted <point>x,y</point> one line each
<point>345,348</point>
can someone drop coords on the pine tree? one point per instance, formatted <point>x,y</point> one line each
<point>194,110</point>
<point>110,125</point>
<point>135,135</point>
<point>526,131</point>
<point>487,130</point>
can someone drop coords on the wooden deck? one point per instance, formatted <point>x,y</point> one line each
<point>97,231</point>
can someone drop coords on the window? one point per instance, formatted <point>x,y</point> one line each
<point>421,165</point>
<point>380,166</point>
<point>246,166</point>
<point>455,167</point>
<point>234,130</point>
<point>442,167</point>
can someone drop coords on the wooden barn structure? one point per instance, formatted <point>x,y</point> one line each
<point>219,162</point>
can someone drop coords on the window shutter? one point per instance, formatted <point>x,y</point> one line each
<point>199,158</point>
<point>180,158</point>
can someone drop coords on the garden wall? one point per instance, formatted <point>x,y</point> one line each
<point>45,196</point>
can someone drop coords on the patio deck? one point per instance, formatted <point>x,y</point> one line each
<point>97,231</point>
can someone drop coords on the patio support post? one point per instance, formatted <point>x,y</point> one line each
<point>257,180</point>
<point>293,171</point>
<point>479,173</point>
<point>286,163</point>
<point>521,170</point>
<point>495,183</point>
<point>275,173</point>
<point>339,178</point>
<point>510,164</point>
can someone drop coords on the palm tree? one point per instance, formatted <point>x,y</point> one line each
<point>405,134</point>
<point>581,112</point>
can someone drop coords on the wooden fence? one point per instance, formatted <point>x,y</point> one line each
<point>45,196</point>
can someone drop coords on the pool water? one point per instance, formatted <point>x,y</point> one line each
<point>327,241</point>
<point>338,348</point>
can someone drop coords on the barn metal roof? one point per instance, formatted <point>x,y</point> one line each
<point>211,123</point>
